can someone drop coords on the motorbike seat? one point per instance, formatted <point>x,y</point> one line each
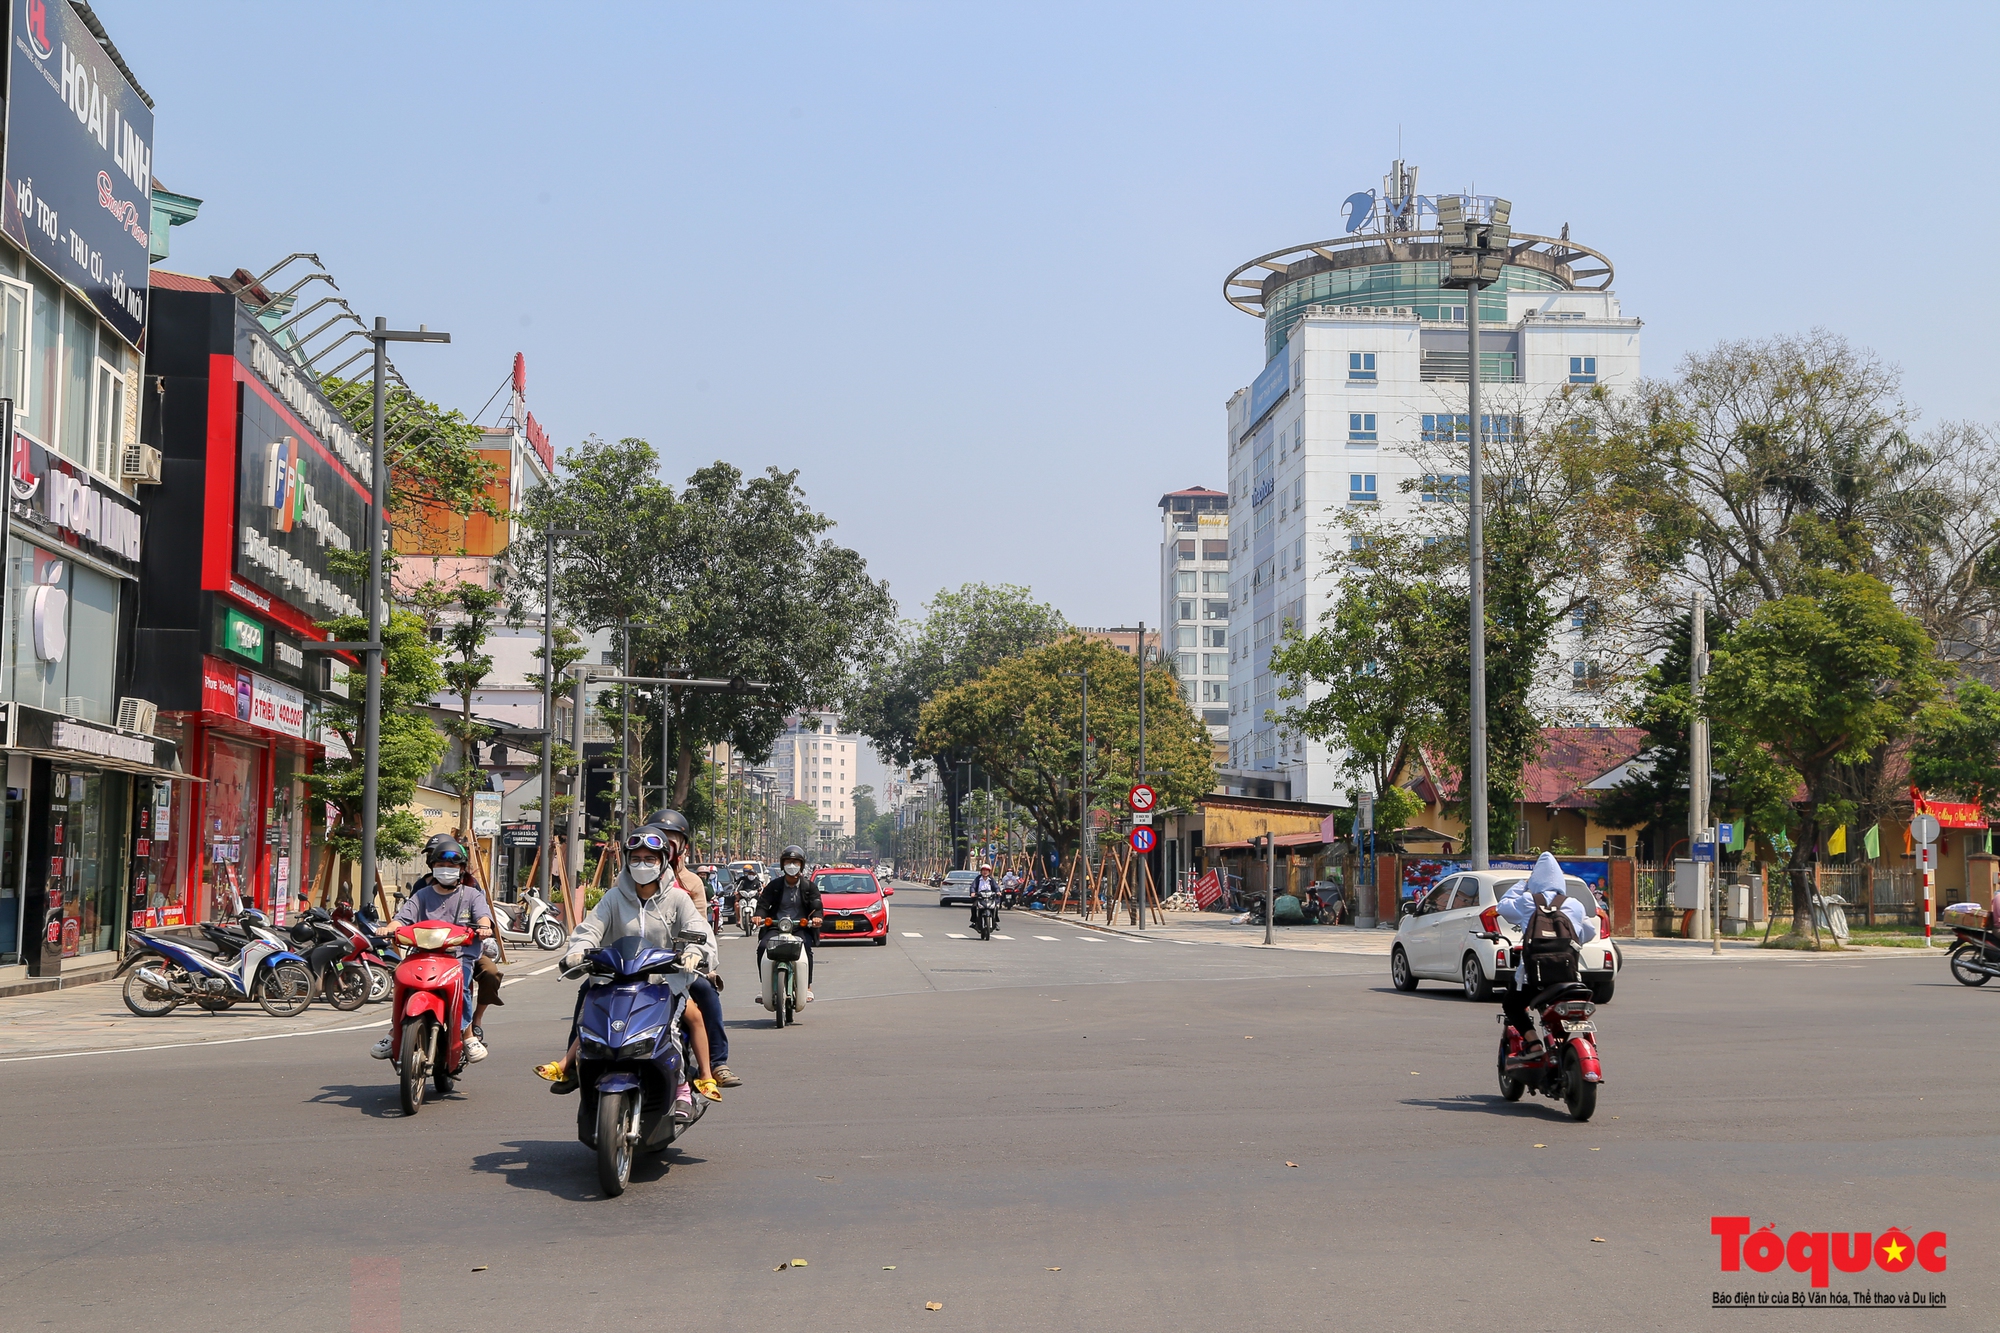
<point>1562,990</point>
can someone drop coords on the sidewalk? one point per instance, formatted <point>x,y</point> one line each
<point>1215,928</point>
<point>94,1018</point>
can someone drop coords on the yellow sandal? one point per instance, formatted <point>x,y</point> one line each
<point>553,1074</point>
<point>706,1087</point>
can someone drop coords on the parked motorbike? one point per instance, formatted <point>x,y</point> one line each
<point>383,956</point>
<point>162,973</point>
<point>1567,1070</point>
<point>986,913</point>
<point>784,991</point>
<point>1975,959</point>
<point>530,921</point>
<point>631,1056</point>
<point>337,959</point>
<point>426,1038</point>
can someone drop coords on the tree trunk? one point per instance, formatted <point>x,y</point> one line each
<point>1804,856</point>
<point>683,775</point>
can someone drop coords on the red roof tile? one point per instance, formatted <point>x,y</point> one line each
<point>180,282</point>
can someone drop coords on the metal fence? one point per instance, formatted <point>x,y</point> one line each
<point>1872,895</point>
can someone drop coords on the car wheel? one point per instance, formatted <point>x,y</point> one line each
<point>1399,970</point>
<point>1601,987</point>
<point>1477,988</point>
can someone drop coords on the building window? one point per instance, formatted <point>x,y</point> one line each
<point>1184,581</point>
<point>1585,674</point>
<point>1216,610</point>
<point>16,298</point>
<point>1214,664</point>
<point>1212,691</point>
<point>1584,613</point>
<point>1186,550</point>
<point>1444,486</point>
<point>1583,370</point>
<point>1186,611</point>
<point>1215,580</point>
<point>1361,427</point>
<point>1361,488</point>
<point>1211,550</point>
<point>1361,367</point>
<point>1215,636</point>
<point>1184,637</point>
<point>1614,844</point>
<point>1299,554</point>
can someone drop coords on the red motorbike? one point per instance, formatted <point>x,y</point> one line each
<point>1567,1069</point>
<point>426,1036</point>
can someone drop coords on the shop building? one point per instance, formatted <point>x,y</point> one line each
<point>262,481</point>
<point>92,797</point>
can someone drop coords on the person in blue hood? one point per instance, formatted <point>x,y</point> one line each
<point>1552,925</point>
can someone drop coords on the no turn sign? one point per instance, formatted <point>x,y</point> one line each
<point>1141,839</point>
<point>1142,797</point>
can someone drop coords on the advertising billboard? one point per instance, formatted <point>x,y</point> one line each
<point>78,187</point>
<point>297,498</point>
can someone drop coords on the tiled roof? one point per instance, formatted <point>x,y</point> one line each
<point>180,282</point>
<point>1571,759</point>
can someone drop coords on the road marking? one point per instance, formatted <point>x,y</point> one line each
<point>1051,938</point>
<point>1094,939</point>
<point>954,935</point>
<point>550,968</point>
<point>911,935</point>
<point>1003,937</point>
<point>182,1045</point>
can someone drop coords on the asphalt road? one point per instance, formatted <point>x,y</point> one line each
<point>1070,1132</point>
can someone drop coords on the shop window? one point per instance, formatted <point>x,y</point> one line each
<point>79,359</point>
<point>159,828</point>
<point>62,644</point>
<point>107,431</point>
<point>15,300</point>
<point>234,798</point>
<point>86,831</point>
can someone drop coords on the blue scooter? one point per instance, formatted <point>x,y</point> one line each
<point>631,1056</point>
<point>162,973</point>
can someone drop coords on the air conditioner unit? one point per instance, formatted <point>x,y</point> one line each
<point>138,714</point>
<point>141,464</point>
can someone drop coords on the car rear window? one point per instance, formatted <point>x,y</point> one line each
<point>846,883</point>
<point>962,876</point>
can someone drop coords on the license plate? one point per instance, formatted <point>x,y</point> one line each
<point>1585,1026</point>
<point>843,925</point>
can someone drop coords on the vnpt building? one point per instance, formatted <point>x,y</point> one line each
<point>1364,376</point>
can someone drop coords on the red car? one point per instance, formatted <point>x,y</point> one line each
<point>853,905</point>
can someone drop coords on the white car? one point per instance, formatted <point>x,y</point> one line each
<point>1439,937</point>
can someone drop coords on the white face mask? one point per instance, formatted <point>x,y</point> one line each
<point>644,872</point>
<point>446,875</point>
<point>793,870</point>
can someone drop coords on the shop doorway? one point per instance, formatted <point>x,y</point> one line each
<point>230,834</point>
<point>86,850</point>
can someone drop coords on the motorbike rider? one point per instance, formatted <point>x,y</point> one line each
<point>638,904</point>
<point>789,894</point>
<point>1544,887</point>
<point>984,884</point>
<point>446,893</point>
<point>678,839</point>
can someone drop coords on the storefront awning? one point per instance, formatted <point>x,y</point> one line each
<point>70,740</point>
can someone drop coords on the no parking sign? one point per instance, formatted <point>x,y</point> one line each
<point>1141,839</point>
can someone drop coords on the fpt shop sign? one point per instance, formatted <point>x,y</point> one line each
<point>251,697</point>
<point>299,499</point>
<point>78,188</point>
<point>61,499</point>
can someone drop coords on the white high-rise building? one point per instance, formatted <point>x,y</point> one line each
<point>1194,600</point>
<point>1365,363</point>
<point>818,765</point>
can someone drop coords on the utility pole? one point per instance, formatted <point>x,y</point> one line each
<point>1475,253</point>
<point>624,732</point>
<point>545,875</point>
<point>371,716</point>
<point>1270,885</point>
<point>579,786</point>
<point>1698,772</point>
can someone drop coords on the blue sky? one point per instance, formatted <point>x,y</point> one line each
<point>961,265</point>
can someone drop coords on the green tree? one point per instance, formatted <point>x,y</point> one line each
<point>864,809</point>
<point>1020,720</point>
<point>1957,753</point>
<point>962,634</point>
<point>800,825</point>
<point>460,618</point>
<point>410,745</point>
<point>1821,678</point>
<point>733,576</point>
<point>568,649</point>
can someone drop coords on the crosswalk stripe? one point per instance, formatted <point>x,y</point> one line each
<point>912,935</point>
<point>1003,937</point>
<point>1051,938</point>
<point>1092,939</point>
<point>954,935</point>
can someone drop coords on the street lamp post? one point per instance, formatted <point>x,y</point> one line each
<point>1475,252</point>
<point>545,861</point>
<point>371,713</point>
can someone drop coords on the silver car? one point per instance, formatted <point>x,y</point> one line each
<point>957,888</point>
<point>1444,935</point>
